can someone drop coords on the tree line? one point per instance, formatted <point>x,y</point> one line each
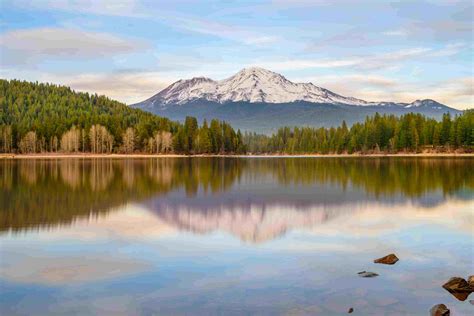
<point>379,133</point>
<point>37,117</point>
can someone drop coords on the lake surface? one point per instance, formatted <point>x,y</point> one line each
<point>234,236</point>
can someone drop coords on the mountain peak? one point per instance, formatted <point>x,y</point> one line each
<point>200,79</point>
<point>253,85</point>
<point>255,71</point>
<point>256,74</point>
<point>425,103</point>
<point>260,85</point>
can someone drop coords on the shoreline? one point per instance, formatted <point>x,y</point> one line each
<point>136,156</point>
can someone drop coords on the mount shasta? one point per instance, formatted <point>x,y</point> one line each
<point>260,100</point>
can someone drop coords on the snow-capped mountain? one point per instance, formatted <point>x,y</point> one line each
<point>254,85</point>
<point>256,99</point>
<point>427,103</point>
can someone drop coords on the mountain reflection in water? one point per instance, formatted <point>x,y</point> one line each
<point>254,199</point>
<point>233,236</point>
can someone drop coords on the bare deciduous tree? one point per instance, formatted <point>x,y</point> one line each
<point>160,143</point>
<point>101,140</point>
<point>166,142</point>
<point>128,139</point>
<point>70,141</point>
<point>28,144</point>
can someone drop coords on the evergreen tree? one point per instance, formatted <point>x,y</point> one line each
<point>190,133</point>
<point>204,139</point>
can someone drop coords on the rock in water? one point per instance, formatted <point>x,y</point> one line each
<point>366,274</point>
<point>457,284</point>
<point>350,310</point>
<point>458,287</point>
<point>439,310</point>
<point>470,280</point>
<point>388,259</point>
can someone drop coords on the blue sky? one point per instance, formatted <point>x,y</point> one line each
<point>131,49</point>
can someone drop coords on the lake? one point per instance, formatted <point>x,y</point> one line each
<point>234,236</point>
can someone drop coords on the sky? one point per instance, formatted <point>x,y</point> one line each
<point>131,49</point>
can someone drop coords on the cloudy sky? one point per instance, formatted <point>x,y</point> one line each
<point>130,49</point>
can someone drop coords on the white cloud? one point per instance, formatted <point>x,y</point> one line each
<point>175,19</point>
<point>457,92</point>
<point>388,60</point>
<point>299,64</point>
<point>261,40</point>
<point>127,87</point>
<point>375,61</point>
<point>365,79</point>
<point>449,50</point>
<point>237,33</point>
<point>398,32</point>
<point>31,46</point>
<point>128,8</point>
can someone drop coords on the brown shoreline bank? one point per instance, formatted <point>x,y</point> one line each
<point>122,156</point>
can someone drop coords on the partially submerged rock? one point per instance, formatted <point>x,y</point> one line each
<point>439,310</point>
<point>470,280</point>
<point>388,259</point>
<point>367,274</point>
<point>460,296</point>
<point>457,284</point>
<point>459,288</point>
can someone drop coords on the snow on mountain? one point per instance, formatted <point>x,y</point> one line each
<point>427,103</point>
<point>252,85</point>
<point>258,85</point>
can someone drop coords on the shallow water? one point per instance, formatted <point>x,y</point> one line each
<point>233,236</point>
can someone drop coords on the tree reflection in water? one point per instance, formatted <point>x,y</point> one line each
<point>52,192</point>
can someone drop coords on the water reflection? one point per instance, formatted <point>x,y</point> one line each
<point>233,236</point>
<point>201,194</point>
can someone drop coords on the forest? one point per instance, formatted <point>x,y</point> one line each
<point>38,117</point>
<point>379,133</point>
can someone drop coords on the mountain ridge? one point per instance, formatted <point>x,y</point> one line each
<point>259,85</point>
<point>256,99</point>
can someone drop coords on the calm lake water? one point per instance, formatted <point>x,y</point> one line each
<point>234,236</point>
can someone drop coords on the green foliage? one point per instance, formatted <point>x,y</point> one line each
<point>50,111</point>
<point>388,133</point>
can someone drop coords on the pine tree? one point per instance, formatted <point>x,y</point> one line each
<point>204,139</point>
<point>216,136</point>
<point>190,133</point>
